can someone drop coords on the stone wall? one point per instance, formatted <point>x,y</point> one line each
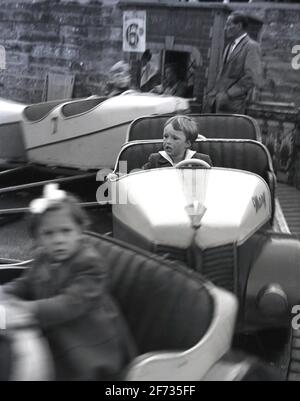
<point>279,36</point>
<point>68,37</point>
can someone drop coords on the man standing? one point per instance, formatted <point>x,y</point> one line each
<point>240,72</point>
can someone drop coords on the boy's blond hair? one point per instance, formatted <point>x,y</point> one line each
<point>185,124</point>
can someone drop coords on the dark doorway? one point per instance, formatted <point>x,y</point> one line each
<point>184,66</point>
<point>181,60</point>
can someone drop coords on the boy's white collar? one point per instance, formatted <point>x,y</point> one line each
<point>188,155</point>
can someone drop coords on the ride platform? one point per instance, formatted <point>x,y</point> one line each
<point>289,198</point>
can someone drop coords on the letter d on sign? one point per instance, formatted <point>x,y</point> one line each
<point>2,318</point>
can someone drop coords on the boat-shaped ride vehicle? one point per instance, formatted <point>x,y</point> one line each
<point>79,133</point>
<point>223,222</point>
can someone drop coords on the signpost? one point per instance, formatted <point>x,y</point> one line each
<point>134,31</point>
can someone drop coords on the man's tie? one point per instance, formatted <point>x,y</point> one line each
<point>227,52</point>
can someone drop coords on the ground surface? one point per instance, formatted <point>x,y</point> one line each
<point>289,198</point>
<point>15,242</point>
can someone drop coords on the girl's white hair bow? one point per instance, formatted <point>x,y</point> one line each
<point>51,195</point>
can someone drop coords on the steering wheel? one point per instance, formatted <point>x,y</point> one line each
<point>193,162</point>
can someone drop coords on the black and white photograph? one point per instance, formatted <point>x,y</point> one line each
<point>149,193</point>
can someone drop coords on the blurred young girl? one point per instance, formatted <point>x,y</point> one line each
<point>65,291</point>
<point>180,132</point>
<point>120,79</point>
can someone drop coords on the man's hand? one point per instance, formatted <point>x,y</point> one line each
<point>157,89</point>
<point>222,99</point>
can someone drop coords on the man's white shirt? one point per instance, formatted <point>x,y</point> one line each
<point>236,42</point>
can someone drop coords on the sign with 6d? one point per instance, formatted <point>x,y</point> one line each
<point>134,31</point>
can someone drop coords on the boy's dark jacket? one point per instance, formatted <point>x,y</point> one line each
<point>156,160</point>
<point>87,335</point>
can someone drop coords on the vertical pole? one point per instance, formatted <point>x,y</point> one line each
<point>217,44</point>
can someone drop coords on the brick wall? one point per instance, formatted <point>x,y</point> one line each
<point>82,38</point>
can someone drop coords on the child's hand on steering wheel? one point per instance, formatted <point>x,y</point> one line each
<point>18,313</point>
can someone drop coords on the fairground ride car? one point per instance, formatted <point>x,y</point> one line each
<point>79,133</point>
<point>221,222</point>
<point>182,324</point>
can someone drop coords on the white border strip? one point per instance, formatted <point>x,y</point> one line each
<point>280,224</point>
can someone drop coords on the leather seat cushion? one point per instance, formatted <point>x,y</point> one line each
<point>210,125</point>
<point>166,305</point>
<point>244,155</point>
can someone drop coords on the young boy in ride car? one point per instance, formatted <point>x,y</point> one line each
<point>180,132</point>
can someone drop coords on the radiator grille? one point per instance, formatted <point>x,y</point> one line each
<point>219,266</point>
<point>216,264</point>
<point>172,253</point>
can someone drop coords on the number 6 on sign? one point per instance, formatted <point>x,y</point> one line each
<point>134,31</point>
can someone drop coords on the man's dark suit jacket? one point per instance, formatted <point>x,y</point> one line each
<point>239,74</point>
